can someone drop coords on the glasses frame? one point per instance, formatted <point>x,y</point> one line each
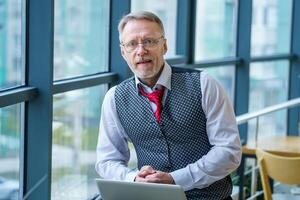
<point>155,40</point>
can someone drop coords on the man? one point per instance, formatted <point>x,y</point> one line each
<point>180,121</point>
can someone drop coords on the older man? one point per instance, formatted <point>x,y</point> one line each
<point>180,121</point>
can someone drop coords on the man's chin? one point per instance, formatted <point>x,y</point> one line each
<point>144,66</point>
<point>145,76</point>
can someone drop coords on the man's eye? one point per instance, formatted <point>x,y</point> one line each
<point>148,42</point>
<point>132,44</point>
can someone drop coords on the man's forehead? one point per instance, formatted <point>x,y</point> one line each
<point>141,28</point>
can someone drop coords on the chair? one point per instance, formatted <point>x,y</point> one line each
<point>284,169</point>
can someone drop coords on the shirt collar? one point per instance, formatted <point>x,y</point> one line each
<point>164,78</point>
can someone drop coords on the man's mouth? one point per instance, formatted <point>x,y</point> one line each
<point>144,61</point>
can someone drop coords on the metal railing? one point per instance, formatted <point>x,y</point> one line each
<point>256,115</point>
<point>288,104</point>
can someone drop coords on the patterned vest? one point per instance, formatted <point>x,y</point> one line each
<point>180,138</point>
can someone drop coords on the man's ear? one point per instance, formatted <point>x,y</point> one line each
<point>165,47</point>
<point>122,52</point>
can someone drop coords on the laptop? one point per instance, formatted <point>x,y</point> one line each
<point>121,190</point>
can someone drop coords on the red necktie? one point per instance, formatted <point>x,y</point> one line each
<point>155,97</point>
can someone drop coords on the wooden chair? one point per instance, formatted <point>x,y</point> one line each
<point>284,169</point>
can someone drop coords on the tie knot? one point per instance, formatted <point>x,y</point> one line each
<point>155,96</point>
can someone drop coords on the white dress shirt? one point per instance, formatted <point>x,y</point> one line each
<point>224,157</point>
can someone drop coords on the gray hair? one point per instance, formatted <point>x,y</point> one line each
<point>140,15</point>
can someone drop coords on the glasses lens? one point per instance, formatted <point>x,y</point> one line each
<point>147,44</point>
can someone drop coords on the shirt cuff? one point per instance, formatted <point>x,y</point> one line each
<point>131,176</point>
<point>183,178</point>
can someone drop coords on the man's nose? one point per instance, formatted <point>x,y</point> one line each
<point>140,49</point>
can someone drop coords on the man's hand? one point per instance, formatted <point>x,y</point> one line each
<point>143,173</point>
<point>149,175</point>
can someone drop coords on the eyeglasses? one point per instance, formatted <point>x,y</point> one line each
<point>149,43</point>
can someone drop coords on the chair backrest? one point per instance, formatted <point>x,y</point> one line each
<point>284,169</point>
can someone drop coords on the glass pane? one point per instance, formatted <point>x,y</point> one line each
<point>271,27</point>
<point>81,31</point>
<point>10,134</point>
<point>268,86</point>
<point>215,29</point>
<point>75,131</point>
<point>225,76</point>
<point>167,12</point>
<point>11,44</point>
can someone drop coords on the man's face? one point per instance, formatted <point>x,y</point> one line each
<point>145,63</point>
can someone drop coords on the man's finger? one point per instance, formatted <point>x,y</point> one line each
<point>160,177</point>
<point>147,168</point>
<point>145,171</point>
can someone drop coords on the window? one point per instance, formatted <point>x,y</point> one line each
<point>80,38</point>
<point>215,29</point>
<point>74,140</point>
<point>272,27</point>
<point>10,136</point>
<point>11,68</point>
<point>166,11</point>
<point>268,86</point>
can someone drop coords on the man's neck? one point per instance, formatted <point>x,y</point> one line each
<point>151,82</point>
